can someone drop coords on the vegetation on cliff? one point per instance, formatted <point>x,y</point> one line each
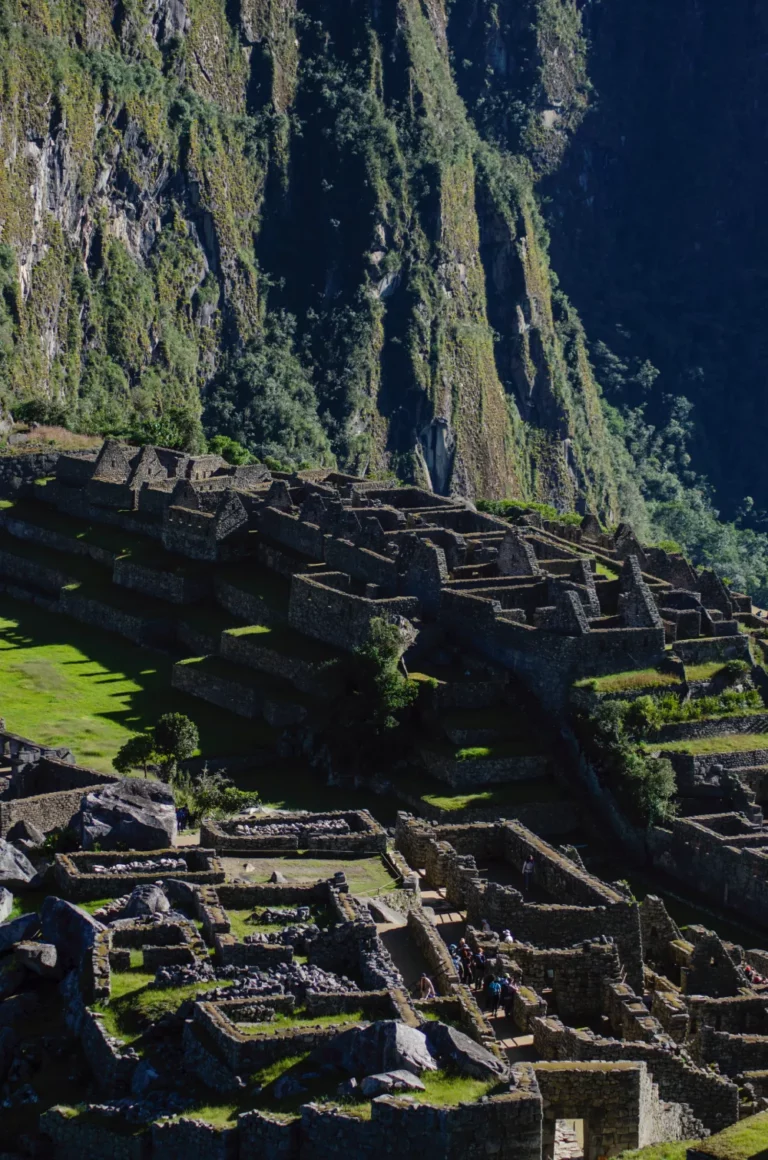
<point>317,231</point>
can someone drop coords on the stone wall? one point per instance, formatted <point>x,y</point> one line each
<point>340,618</point>
<point>18,471</point>
<point>77,881</point>
<point>178,587</point>
<point>48,811</point>
<point>250,607</point>
<point>575,975</point>
<point>713,1099</point>
<point>728,873</point>
<point>365,835</point>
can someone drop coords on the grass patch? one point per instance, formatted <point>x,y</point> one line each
<point>135,1002</point>
<point>705,671</point>
<point>739,1142</point>
<point>436,794</point>
<point>240,924</point>
<point>725,743</point>
<point>299,1019</point>
<point>602,569</point>
<point>64,683</point>
<point>517,748</point>
<point>673,1151</point>
<point>365,876</point>
<point>628,681</point>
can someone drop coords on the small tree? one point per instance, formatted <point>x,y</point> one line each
<point>210,795</point>
<point>137,753</point>
<point>175,739</point>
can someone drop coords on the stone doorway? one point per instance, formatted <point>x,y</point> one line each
<point>569,1140</point>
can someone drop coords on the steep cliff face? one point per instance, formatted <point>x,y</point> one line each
<point>335,186</point>
<point>659,231</point>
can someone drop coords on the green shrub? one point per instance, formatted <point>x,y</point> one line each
<point>210,795</point>
<point>643,785</point>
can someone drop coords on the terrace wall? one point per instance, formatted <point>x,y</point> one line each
<point>340,618</point>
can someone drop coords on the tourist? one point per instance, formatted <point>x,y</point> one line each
<point>494,997</point>
<point>528,868</point>
<point>506,936</point>
<point>426,988</point>
<point>479,965</point>
<point>486,926</point>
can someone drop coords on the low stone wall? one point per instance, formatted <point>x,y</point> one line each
<point>88,1137</point>
<point>736,1014</point>
<point>713,648</point>
<point>78,882</point>
<point>366,836</point>
<point>441,969</point>
<point>47,538</point>
<point>506,1126</point>
<point>232,953</point>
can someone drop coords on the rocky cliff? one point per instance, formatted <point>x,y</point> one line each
<point>305,215</point>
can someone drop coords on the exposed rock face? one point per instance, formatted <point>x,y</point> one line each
<point>40,958</point>
<point>383,1046</point>
<point>6,903</point>
<point>132,814</point>
<point>71,930</point>
<point>23,927</point>
<point>452,1048</point>
<point>145,900</point>
<point>15,868</point>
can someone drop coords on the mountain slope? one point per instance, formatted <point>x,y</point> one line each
<point>290,215</point>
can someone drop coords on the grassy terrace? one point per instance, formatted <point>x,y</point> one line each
<point>703,672</point>
<point>438,795</point>
<point>64,683</point>
<point>629,681</point>
<point>722,743</point>
<point>442,1090</point>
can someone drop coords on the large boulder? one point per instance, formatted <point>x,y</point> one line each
<point>6,903</point>
<point>71,930</point>
<point>26,835</point>
<point>15,867</point>
<point>24,927</point>
<point>452,1048</point>
<point>390,1081</point>
<point>129,814</point>
<point>40,958</point>
<point>144,900</point>
<point>382,1046</point>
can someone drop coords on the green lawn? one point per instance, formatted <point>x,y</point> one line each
<point>703,672</point>
<point>366,876</point>
<point>741,1141</point>
<point>674,1151</point>
<point>64,683</point>
<point>135,1003</point>
<point>724,743</point>
<point>628,681</point>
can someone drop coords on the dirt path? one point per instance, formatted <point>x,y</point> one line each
<point>405,954</point>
